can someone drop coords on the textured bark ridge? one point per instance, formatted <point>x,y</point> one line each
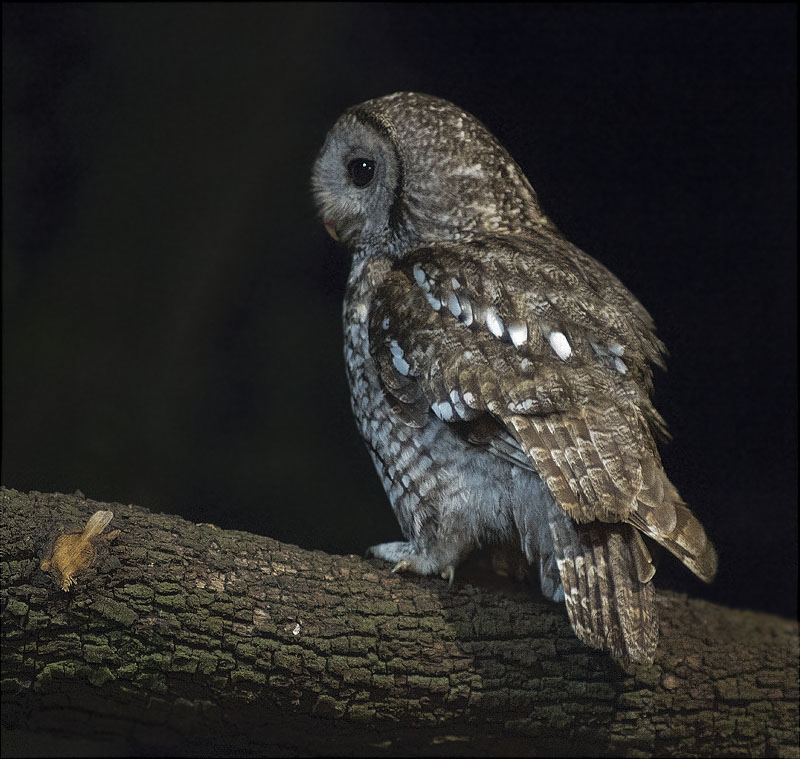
<point>184,638</point>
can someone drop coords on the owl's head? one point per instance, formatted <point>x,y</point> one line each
<point>405,169</point>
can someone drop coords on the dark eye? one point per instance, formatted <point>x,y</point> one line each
<point>361,171</point>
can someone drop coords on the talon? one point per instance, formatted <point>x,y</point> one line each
<point>400,566</point>
<point>448,574</point>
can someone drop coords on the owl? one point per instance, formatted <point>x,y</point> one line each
<point>500,376</point>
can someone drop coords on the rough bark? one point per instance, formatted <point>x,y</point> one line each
<point>184,638</point>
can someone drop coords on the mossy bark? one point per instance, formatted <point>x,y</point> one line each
<point>187,639</point>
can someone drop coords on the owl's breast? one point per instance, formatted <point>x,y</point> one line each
<point>370,407</point>
<point>366,394</point>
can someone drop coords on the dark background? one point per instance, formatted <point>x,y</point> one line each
<point>171,305</point>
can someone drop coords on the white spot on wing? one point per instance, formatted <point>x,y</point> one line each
<point>443,410</point>
<point>455,398</point>
<point>493,322</point>
<point>454,305</point>
<point>401,365</point>
<point>466,310</point>
<point>560,344</point>
<point>617,349</point>
<point>385,322</point>
<point>436,304</point>
<point>419,275</point>
<point>620,364</point>
<point>518,332</point>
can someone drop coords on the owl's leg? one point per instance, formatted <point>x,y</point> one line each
<point>409,557</point>
<point>532,518</point>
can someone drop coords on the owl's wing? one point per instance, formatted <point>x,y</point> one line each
<point>537,353</point>
<point>547,343</point>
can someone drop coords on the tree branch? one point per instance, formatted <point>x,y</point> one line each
<point>184,638</point>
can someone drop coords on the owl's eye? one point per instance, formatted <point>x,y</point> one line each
<point>361,171</point>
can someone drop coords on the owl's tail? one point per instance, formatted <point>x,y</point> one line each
<point>662,515</point>
<point>607,589</point>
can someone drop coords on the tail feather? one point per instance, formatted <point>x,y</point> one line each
<point>663,516</point>
<point>645,569</point>
<point>608,605</point>
<point>687,540</point>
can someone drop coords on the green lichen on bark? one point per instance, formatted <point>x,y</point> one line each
<point>234,640</point>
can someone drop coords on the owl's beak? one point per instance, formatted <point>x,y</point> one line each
<point>331,230</point>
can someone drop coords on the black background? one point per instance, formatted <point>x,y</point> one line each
<point>171,305</point>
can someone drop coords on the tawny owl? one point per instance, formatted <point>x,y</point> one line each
<point>499,375</point>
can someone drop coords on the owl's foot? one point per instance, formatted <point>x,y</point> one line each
<point>408,560</point>
<point>448,573</point>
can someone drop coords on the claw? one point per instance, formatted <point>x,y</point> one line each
<point>401,565</point>
<point>448,574</point>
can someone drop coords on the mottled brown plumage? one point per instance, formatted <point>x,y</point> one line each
<point>500,376</point>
